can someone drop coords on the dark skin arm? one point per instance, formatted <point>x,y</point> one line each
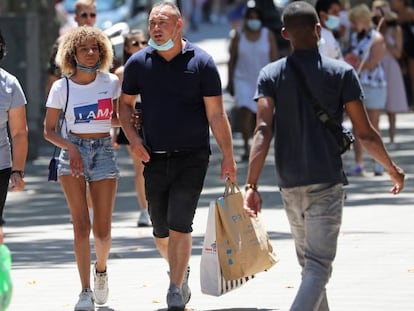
<point>260,147</point>
<point>368,136</point>
<point>372,142</point>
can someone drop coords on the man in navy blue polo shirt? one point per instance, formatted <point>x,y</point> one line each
<point>308,163</point>
<point>181,96</point>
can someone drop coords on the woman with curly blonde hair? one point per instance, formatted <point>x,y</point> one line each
<point>87,95</point>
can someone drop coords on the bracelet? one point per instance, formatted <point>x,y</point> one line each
<point>21,173</point>
<point>254,187</point>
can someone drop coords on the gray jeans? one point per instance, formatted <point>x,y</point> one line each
<point>314,213</point>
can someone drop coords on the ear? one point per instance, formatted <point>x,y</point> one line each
<point>318,29</point>
<point>285,34</point>
<point>180,23</point>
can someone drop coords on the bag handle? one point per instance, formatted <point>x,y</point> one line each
<point>230,187</point>
<point>64,112</point>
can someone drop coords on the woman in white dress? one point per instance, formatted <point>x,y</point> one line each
<point>251,48</point>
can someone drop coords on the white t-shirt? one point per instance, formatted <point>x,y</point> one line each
<point>329,46</point>
<point>90,106</point>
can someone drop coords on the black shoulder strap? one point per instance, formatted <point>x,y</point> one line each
<point>334,127</point>
<point>64,111</point>
<point>320,112</point>
<point>67,96</point>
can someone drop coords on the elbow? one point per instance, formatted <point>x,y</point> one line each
<point>264,130</point>
<point>368,138</point>
<point>46,133</point>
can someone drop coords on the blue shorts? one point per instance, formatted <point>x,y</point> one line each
<point>98,158</point>
<point>173,183</point>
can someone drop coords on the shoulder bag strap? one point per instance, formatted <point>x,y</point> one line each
<point>64,111</point>
<point>320,112</point>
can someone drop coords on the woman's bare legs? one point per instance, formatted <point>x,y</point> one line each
<point>75,192</point>
<point>103,200</point>
<point>140,189</point>
<point>392,118</point>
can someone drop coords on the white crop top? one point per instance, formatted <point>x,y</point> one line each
<point>90,106</point>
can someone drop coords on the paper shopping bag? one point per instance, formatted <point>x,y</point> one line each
<point>243,245</point>
<point>211,278</point>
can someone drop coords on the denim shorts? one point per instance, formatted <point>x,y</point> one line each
<point>173,183</point>
<point>374,97</point>
<point>98,158</point>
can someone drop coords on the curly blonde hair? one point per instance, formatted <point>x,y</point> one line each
<point>65,57</point>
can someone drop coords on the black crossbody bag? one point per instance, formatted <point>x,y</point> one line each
<point>54,161</point>
<point>343,136</point>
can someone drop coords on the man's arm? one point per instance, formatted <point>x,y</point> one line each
<point>372,142</point>
<point>18,133</point>
<point>126,110</point>
<point>220,127</point>
<point>261,142</point>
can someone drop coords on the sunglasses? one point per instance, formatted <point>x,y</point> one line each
<point>137,43</point>
<point>85,15</point>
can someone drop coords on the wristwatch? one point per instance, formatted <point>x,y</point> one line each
<point>251,186</point>
<point>21,173</point>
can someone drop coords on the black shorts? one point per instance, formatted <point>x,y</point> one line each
<point>173,183</point>
<point>4,185</point>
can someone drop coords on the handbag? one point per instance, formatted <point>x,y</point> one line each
<point>212,280</point>
<point>343,136</point>
<point>243,245</point>
<point>54,161</point>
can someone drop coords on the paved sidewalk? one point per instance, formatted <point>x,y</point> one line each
<point>374,269</point>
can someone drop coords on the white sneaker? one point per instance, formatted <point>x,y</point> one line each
<point>85,302</point>
<point>100,289</point>
<point>144,219</point>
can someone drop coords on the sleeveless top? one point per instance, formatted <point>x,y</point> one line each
<point>374,77</point>
<point>252,57</point>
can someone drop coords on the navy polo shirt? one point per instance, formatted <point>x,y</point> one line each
<point>305,151</point>
<point>173,110</point>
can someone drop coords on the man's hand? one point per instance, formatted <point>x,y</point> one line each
<point>252,202</point>
<point>16,183</point>
<point>229,170</point>
<point>397,176</point>
<point>139,150</point>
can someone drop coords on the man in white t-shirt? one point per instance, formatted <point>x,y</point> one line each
<point>328,12</point>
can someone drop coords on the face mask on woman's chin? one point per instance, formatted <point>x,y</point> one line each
<point>88,69</point>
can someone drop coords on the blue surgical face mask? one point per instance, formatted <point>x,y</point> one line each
<point>332,22</point>
<point>254,24</point>
<point>163,47</point>
<point>88,69</point>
